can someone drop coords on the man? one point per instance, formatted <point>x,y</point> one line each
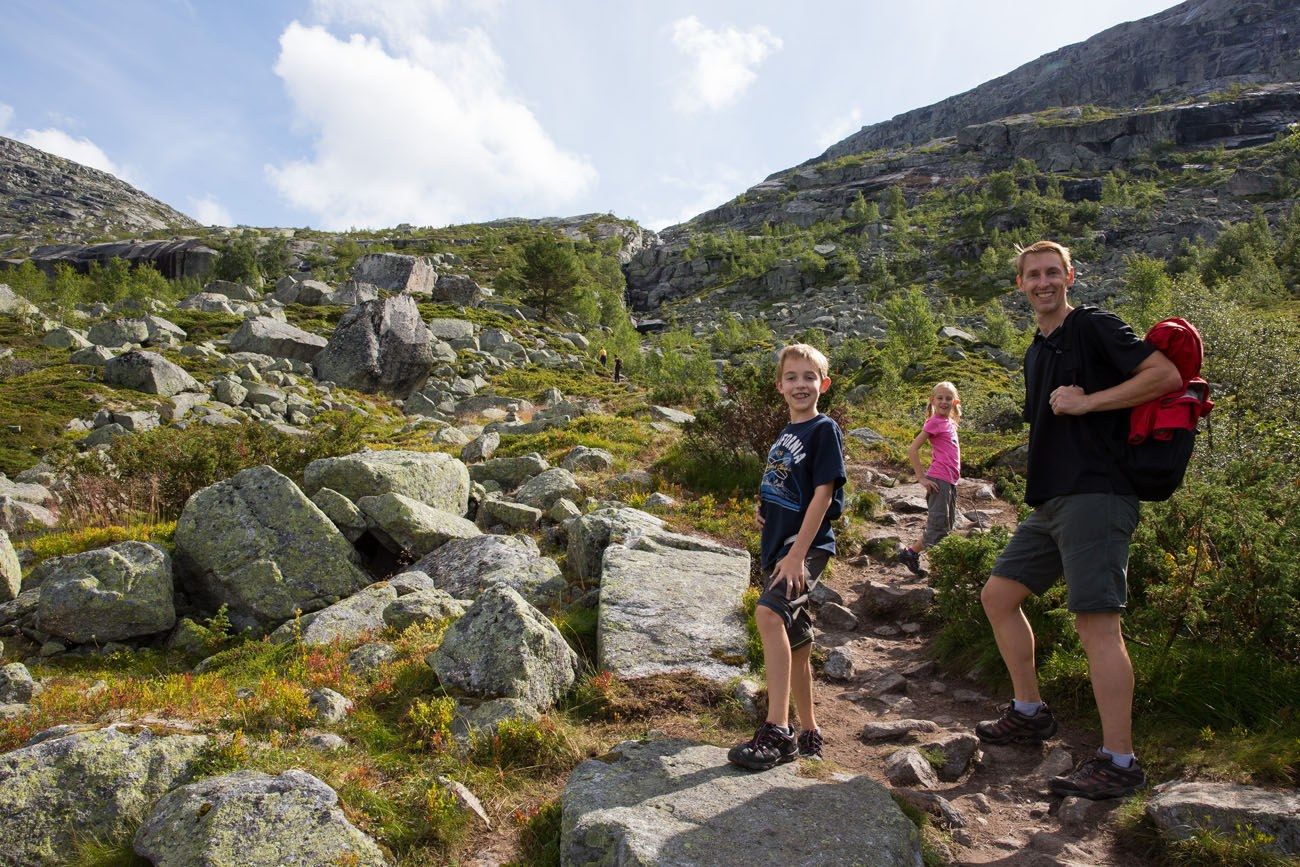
<point>1084,368</point>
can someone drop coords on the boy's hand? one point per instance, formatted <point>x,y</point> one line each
<point>758,514</point>
<point>794,572</point>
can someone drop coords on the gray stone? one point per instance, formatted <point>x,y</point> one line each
<point>563,510</point>
<point>671,603</point>
<point>257,544</point>
<point>327,741</point>
<point>14,304</point>
<point>824,593</point>
<point>268,336</point>
<point>958,751</point>
<point>407,526</point>
<point>509,472</point>
<point>907,767</point>
<point>592,533</point>
<point>358,614</point>
<point>465,798</point>
<point>481,448</point>
<point>466,567</point>
<point>662,501</point>
<point>64,337</point>
<point>668,414</point>
<point>16,684</point>
<point>1058,761</point>
<point>231,392</point>
<point>502,647</point>
<point>251,819</point>
<point>896,599</point>
<point>832,615</point>
<point>232,290</point>
<point>77,785</point>
<point>118,332</point>
<point>342,512</point>
<point>584,458</point>
<point>367,659</point>
<point>483,717</point>
<point>148,372</point>
<point>329,707</point>
<point>433,478</point>
<point>395,272</point>
<point>95,356</point>
<point>515,516</point>
<point>459,289</point>
<point>936,805</point>
<point>11,573</point>
<point>839,665</point>
<point>379,346</point>
<point>543,489</point>
<point>451,329</point>
<point>427,606</point>
<point>888,730</point>
<point>680,803</point>
<point>104,435</point>
<point>108,594</point>
<point>1179,808</point>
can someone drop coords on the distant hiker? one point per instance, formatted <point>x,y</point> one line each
<point>618,368</point>
<point>942,416</point>
<point>802,491</point>
<point>1083,369</point>
<point>602,356</point>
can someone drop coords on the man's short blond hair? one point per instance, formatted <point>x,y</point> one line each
<point>1041,247</point>
<point>809,353</point>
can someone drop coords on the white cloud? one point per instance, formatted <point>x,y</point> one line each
<point>721,63</point>
<point>61,144</point>
<point>210,212</point>
<point>722,185</point>
<point>840,128</point>
<point>414,131</point>
<point>6,115</point>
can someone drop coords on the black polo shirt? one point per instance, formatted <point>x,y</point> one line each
<point>1076,454</point>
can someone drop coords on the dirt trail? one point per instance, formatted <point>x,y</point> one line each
<point>1010,818</point>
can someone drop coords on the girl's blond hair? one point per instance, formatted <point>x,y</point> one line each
<point>956,403</point>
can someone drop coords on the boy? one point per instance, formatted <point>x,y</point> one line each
<point>801,493</point>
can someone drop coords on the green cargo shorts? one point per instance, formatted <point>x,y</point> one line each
<point>1084,537</point>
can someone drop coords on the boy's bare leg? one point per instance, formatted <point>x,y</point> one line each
<point>1001,598</point>
<point>801,686</point>
<point>776,659</point>
<point>1112,677</point>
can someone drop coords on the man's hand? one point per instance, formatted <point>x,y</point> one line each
<point>1069,400</point>
<point>794,572</point>
<point>758,515</point>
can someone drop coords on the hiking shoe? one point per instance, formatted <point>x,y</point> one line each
<point>912,561</point>
<point>810,744</point>
<point>1013,726</point>
<point>770,746</point>
<point>1099,778</point>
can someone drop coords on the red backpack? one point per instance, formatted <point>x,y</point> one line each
<point>1162,432</point>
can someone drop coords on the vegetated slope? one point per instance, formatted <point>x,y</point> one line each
<point>1190,49</point>
<point>45,198</point>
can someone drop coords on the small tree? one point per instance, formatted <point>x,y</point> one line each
<point>238,262</point>
<point>548,275</point>
<point>911,333</point>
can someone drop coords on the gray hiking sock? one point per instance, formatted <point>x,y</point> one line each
<point>1028,708</point>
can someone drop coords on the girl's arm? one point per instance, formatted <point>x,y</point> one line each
<point>914,455</point>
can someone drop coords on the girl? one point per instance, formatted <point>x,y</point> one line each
<point>940,481</point>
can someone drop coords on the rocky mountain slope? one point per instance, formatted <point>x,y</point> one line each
<point>1191,49</point>
<point>45,199</point>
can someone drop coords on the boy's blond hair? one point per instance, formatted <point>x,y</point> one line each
<point>811,354</point>
<point>1041,247</point>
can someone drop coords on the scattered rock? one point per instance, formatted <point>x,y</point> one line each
<point>395,272</point>
<point>592,533</point>
<point>328,706</point>
<point>907,767</point>
<point>543,489</point>
<point>466,567</point>
<point>148,372</point>
<point>11,573</point>
<point>379,346</point>
<point>887,730</point>
<point>958,751</point>
<point>481,448</point>
<point>16,684</point>
<point>468,802</point>
<point>407,526</point>
<point>832,615</point>
<point>1179,808</point>
<point>433,478</point>
<point>839,665</point>
<point>585,458</point>
<point>278,339</point>
<point>122,591</point>
<point>1058,762</point>
<point>428,606</point>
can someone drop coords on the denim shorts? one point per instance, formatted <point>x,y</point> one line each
<point>1084,537</point>
<point>794,612</point>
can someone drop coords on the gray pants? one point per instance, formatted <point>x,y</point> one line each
<point>942,512</point>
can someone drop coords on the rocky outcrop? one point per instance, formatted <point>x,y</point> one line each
<point>39,191</point>
<point>502,647</point>
<point>148,372</point>
<point>1180,809</point>
<point>409,527</point>
<point>379,346</point>
<point>394,272</point>
<point>96,784</point>
<point>672,603</point>
<point>269,336</point>
<point>1193,48</point>
<point>251,819</point>
<point>359,613</point>
<point>681,803</point>
<point>109,594</point>
<point>466,567</point>
<point>592,533</point>
<point>255,543</point>
<point>11,573</point>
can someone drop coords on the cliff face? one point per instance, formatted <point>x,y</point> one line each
<point>45,198</point>
<point>1192,49</point>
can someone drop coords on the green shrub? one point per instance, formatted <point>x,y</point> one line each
<point>539,747</point>
<point>429,719</point>
<point>539,839</point>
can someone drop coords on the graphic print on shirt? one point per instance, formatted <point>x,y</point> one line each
<point>779,487</point>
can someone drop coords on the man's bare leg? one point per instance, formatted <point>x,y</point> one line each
<point>1112,677</point>
<point>1002,598</point>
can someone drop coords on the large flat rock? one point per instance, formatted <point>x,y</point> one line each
<point>672,603</point>
<point>673,803</point>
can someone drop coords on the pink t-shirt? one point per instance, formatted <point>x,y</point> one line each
<point>945,462</point>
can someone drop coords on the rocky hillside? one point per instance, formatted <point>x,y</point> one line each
<point>1191,49</point>
<point>47,199</point>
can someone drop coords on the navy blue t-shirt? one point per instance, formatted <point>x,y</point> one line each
<point>806,454</point>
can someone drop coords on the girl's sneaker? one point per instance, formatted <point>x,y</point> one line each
<point>912,561</point>
<point>770,746</point>
<point>810,744</point>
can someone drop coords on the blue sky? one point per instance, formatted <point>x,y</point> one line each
<point>360,113</point>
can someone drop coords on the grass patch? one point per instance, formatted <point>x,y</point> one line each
<point>531,382</point>
<point>65,542</point>
<point>622,437</point>
<point>1206,847</point>
<point>539,837</point>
